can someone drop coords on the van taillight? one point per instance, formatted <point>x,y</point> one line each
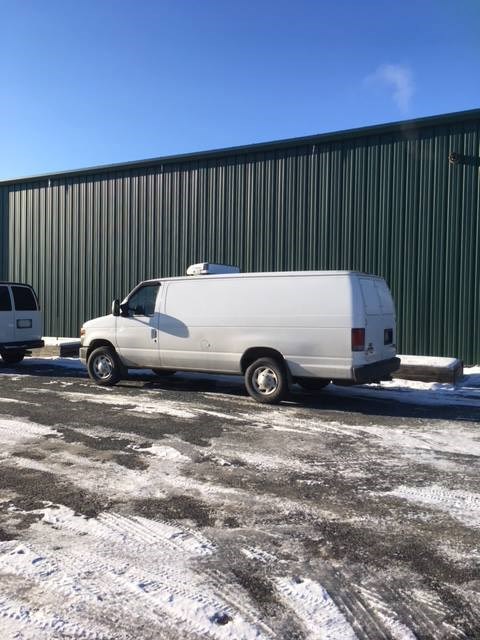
<point>358,339</point>
<point>388,336</point>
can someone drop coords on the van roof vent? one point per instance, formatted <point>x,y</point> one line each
<point>208,268</point>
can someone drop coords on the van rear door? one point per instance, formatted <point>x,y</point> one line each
<point>380,319</point>
<point>7,316</point>
<point>28,321</point>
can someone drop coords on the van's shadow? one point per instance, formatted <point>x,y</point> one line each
<point>332,398</point>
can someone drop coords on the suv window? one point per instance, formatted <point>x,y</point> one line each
<point>5,302</point>
<point>24,299</point>
<point>142,302</point>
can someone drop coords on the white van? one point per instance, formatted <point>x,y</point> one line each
<point>20,321</point>
<point>309,327</point>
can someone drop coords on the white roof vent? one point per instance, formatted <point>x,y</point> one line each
<point>207,268</point>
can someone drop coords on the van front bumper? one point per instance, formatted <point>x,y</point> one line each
<point>24,344</point>
<point>83,354</point>
<point>375,371</point>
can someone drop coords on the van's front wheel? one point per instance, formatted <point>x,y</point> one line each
<point>266,381</point>
<point>104,367</point>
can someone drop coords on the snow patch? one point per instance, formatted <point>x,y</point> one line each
<point>459,441</point>
<point>164,452</point>
<point>143,573</point>
<point>397,630</point>
<point>428,361</point>
<point>132,404</point>
<point>461,505</point>
<point>316,609</point>
<point>17,431</point>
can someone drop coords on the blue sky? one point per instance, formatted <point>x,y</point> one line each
<point>94,82</point>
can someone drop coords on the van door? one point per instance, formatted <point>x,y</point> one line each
<point>380,320</point>
<point>7,316</point>
<point>137,330</point>
<point>28,322</point>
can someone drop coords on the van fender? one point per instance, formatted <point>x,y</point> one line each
<point>253,353</point>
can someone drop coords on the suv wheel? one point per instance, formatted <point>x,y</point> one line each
<point>266,381</point>
<point>104,366</point>
<point>12,357</point>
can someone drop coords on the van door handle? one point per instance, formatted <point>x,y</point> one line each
<point>153,334</point>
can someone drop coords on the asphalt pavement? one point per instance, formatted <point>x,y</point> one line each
<point>179,508</point>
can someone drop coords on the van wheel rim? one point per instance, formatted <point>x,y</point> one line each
<point>102,367</point>
<point>265,381</point>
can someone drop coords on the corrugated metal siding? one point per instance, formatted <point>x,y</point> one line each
<point>388,204</point>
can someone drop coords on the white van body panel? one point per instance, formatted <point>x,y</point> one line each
<point>207,323</point>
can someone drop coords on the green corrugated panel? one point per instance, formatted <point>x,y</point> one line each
<point>385,202</point>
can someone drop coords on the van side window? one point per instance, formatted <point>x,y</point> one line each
<point>5,302</point>
<point>24,299</point>
<point>142,302</point>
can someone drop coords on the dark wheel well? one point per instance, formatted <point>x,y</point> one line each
<point>254,353</point>
<point>99,343</point>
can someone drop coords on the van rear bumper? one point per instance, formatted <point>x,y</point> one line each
<point>20,346</point>
<point>376,371</point>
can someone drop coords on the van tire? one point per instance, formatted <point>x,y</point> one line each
<point>312,384</point>
<point>12,357</point>
<point>266,380</point>
<point>104,367</point>
<point>162,373</point>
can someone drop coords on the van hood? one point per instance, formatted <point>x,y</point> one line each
<point>102,321</point>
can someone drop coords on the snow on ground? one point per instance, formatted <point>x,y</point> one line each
<point>462,505</point>
<point>142,567</point>
<point>463,393</point>
<point>323,619</point>
<point>428,361</point>
<point>271,471</point>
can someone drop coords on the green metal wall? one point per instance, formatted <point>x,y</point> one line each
<point>382,200</point>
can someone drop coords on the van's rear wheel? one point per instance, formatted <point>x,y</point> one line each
<point>12,357</point>
<point>266,381</point>
<point>104,367</point>
<point>312,384</point>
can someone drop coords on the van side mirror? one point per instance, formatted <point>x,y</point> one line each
<point>116,307</point>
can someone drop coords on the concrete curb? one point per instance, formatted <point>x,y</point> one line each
<point>430,369</point>
<point>62,350</point>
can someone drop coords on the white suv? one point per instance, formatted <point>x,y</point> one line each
<point>20,321</point>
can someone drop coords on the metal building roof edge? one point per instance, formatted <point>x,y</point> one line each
<point>345,134</point>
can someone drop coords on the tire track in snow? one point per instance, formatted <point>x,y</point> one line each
<point>461,505</point>
<point>135,566</point>
<point>315,609</point>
